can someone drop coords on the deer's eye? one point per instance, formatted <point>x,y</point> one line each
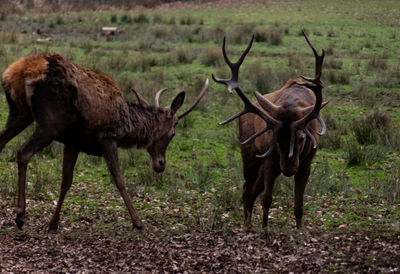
<point>302,138</point>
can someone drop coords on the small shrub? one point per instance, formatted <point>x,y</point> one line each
<point>113,18</point>
<point>389,78</point>
<point>260,76</point>
<point>376,63</point>
<point>141,18</point>
<point>275,36</point>
<point>203,176</point>
<point>86,46</point>
<point>183,55</point>
<point>8,37</point>
<point>159,31</point>
<point>332,33</point>
<point>211,57</point>
<point>188,20</point>
<point>338,77</point>
<point>172,21</point>
<point>157,19</point>
<point>260,35</point>
<point>353,152</point>
<point>333,63</point>
<point>126,19</point>
<point>295,61</point>
<point>372,128</point>
<point>241,33</point>
<point>60,21</point>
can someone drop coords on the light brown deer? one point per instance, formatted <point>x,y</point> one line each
<point>278,134</point>
<point>86,111</point>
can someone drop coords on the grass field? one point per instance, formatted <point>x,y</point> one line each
<point>355,180</point>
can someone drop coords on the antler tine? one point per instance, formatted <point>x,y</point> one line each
<point>319,59</point>
<point>203,91</point>
<point>157,97</point>
<point>232,83</point>
<point>139,97</point>
<point>255,135</point>
<point>316,86</point>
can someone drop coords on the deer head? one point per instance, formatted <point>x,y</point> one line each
<point>165,130</point>
<point>287,126</point>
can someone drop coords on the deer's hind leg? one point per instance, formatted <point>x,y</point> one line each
<point>41,138</point>
<point>19,118</point>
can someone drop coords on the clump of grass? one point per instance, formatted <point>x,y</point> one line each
<point>260,76</point>
<point>8,37</point>
<point>157,19</point>
<point>372,128</point>
<point>141,18</point>
<point>203,176</point>
<point>141,62</point>
<point>126,19</point>
<point>188,20</point>
<point>377,63</point>
<point>338,77</point>
<point>332,33</point>
<point>333,63</point>
<point>183,55</point>
<point>363,92</point>
<point>353,152</point>
<point>241,33</point>
<point>159,31</point>
<point>273,36</point>
<point>211,57</point>
<point>333,137</point>
<point>296,62</point>
<point>389,78</point>
<point>113,18</point>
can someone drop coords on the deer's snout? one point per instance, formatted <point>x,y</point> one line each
<point>158,164</point>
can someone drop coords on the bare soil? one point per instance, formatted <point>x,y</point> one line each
<point>162,249</point>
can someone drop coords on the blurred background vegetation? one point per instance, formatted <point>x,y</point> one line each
<point>178,45</point>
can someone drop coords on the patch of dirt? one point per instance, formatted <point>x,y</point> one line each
<point>161,249</point>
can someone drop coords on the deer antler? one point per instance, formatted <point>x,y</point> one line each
<point>316,86</point>
<point>203,91</point>
<point>140,98</point>
<point>157,97</point>
<point>232,83</point>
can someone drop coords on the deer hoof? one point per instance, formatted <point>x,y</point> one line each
<point>53,227</point>
<point>139,225</point>
<point>20,220</point>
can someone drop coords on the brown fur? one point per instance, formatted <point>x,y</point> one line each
<point>260,173</point>
<point>86,111</point>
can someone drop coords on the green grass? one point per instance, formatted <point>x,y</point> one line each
<point>173,49</point>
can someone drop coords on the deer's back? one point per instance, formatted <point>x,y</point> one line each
<point>94,94</point>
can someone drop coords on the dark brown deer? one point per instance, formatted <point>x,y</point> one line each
<point>86,111</point>
<point>278,134</point>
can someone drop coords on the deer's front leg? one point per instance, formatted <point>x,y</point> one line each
<point>300,180</point>
<point>70,157</point>
<point>251,190</point>
<point>271,171</point>
<point>110,154</point>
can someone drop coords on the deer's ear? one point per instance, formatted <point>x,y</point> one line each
<point>177,102</point>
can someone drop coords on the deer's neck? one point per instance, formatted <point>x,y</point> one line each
<point>143,126</point>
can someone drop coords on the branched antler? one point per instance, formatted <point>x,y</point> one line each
<point>233,83</point>
<point>316,86</point>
